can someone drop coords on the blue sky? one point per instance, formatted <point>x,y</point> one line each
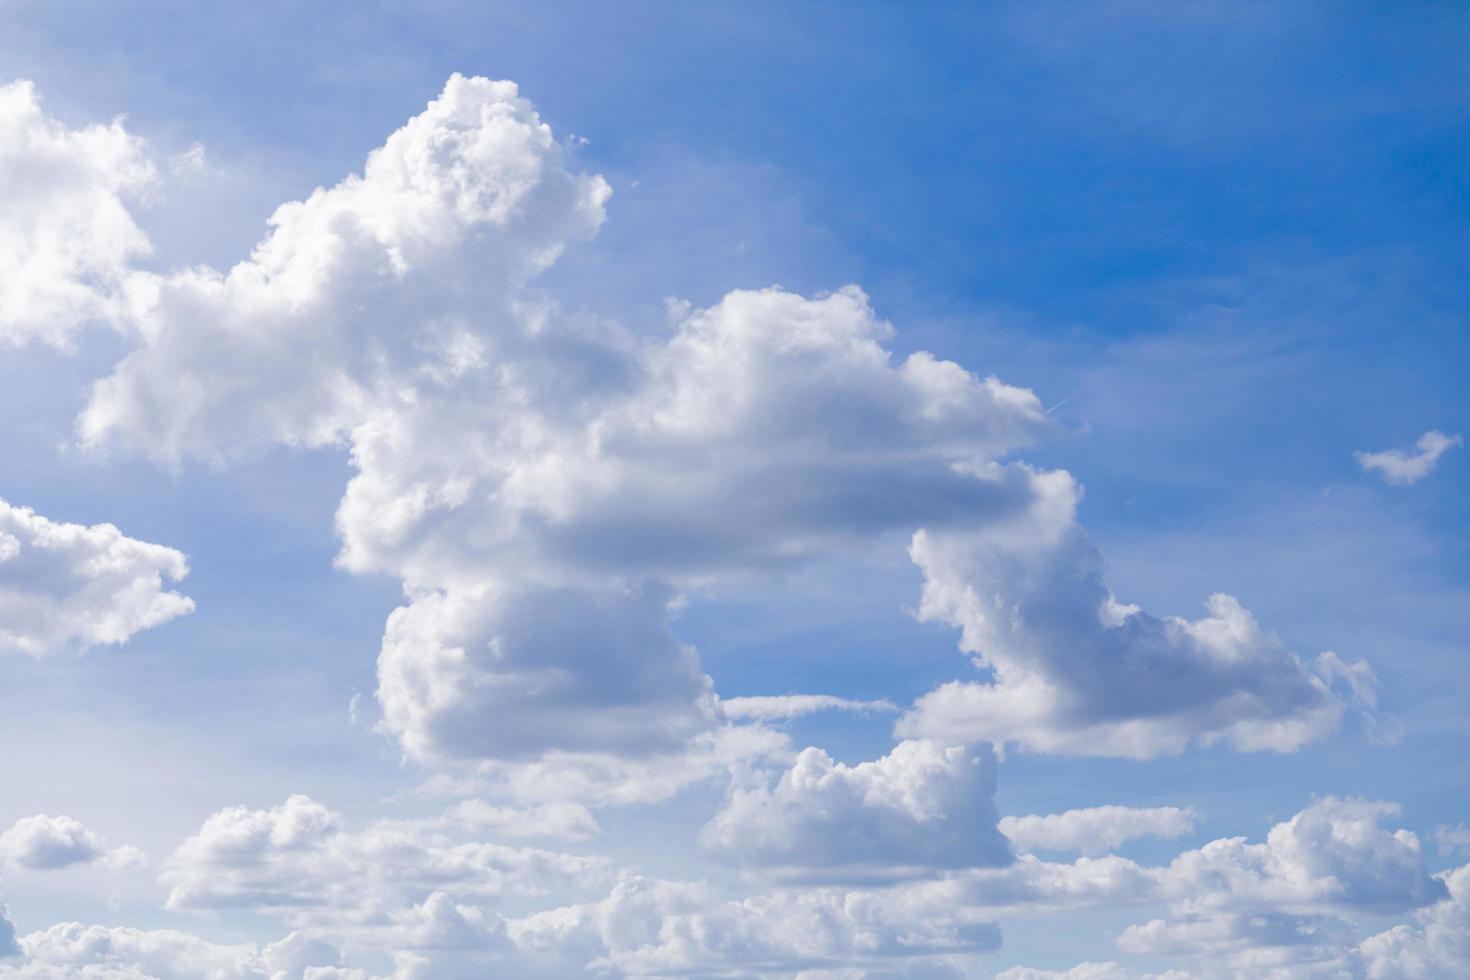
<point>1222,243</point>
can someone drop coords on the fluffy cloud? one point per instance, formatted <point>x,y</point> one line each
<point>46,843</point>
<point>921,807</point>
<point>1403,468</point>
<point>357,289</point>
<point>1435,947</point>
<point>656,928</point>
<point>488,674</point>
<point>1096,830</point>
<point>71,951</point>
<point>67,239</point>
<point>70,586</point>
<point>1331,855</point>
<point>1074,671</point>
<point>297,860</point>
<point>512,459</point>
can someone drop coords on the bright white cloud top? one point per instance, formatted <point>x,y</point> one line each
<point>552,490</point>
<point>67,237</point>
<point>67,587</point>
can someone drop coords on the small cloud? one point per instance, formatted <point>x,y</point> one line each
<point>1452,840</point>
<point>1402,468</point>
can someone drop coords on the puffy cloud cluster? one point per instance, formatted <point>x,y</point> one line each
<point>297,860</point>
<point>1097,830</point>
<point>46,843</point>
<point>519,467</point>
<point>1403,468</point>
<point>920,808</point>
<point>1075,671</point>
<point>67,238</point>
<point>70,586</point>
<point>659,928</point>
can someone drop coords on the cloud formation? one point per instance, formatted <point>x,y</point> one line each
<point>1403,468</point>
<point>1074,671</point>
<point>1099,829</point>
<point>67,237</point>
<point>921,808</point>
<point>44,843</point>
<point>68,587</point>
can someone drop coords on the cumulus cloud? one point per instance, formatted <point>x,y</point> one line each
<point>71,586</point>
<point>1403,468</point>
<point>299,861</point>
<point>510,457</point>
<point>72,951</point>
<point>1075,671</point>
<point>781,706</point>
<point>1436,946</point>
<point>657,928</point>
<point>921,807</point>
<point>45,843</point>
<point>1099,829</point>
<point>67,238</point>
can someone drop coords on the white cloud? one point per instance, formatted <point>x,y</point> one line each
<point>9,947</point>
<point>1087,971</point>
<point>659,928</point>
<point>781,706</point>
<point>491,674</point>
<point>1452,839</point>
<point>70,586</point>
<point>510,457</point>
<point>298,861</point>
<point>1332,855</point>
<point>67,239</point>
<point>1076,672</point>
<point>46,843</point>
<point>1096,830</point>
<point>1435,947</point>
<point>920,808</point>
<point>1402,468</point>
<point>71,951</point>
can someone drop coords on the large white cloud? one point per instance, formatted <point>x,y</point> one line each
<point>71,586</point>
<point>513,460</point>
<point>1074,671</point>
<point>920,808</point>
<point>44,843</point>
<point>67,239</point>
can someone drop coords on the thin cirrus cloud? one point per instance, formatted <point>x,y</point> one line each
<point>1405,468</point>
<point>69,587</point>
